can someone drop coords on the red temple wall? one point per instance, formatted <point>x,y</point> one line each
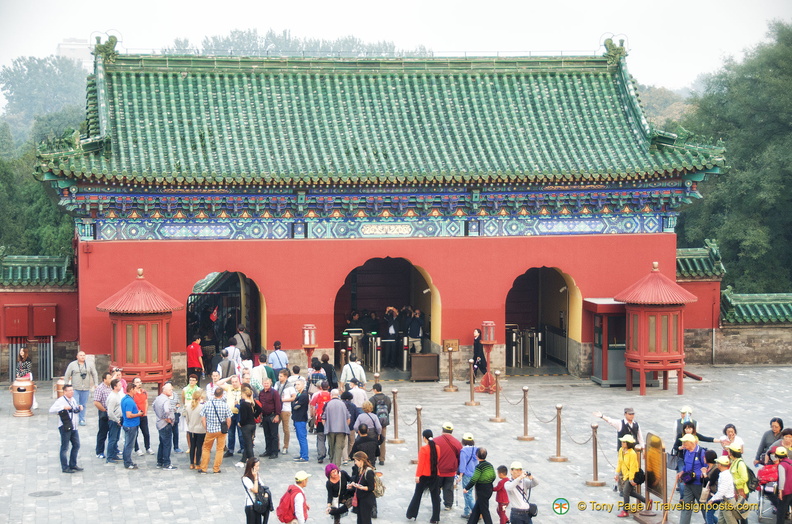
<point>704,313</point>
<point>66,316</point>
<point>299,279</point>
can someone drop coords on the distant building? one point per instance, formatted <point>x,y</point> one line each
<point>77,49</point>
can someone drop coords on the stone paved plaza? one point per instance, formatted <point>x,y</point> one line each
<point>33,489</point>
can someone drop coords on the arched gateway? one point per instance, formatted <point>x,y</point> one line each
<point>475,170</point>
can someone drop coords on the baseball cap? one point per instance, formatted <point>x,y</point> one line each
<point>735,447</point>
<point>628,438</point>
<point>467,436</point>
<point>301,475</point>
<point>688,438</point>
<point>448,426</point>
<point>516,465</point>
<point>686,409</point>
<point>629,411</point>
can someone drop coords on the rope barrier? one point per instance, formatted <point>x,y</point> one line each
<point>599,445</point>
<point>569,435</point>
<point>409,423</point>
<point>513,403</point>
<point>543,421</point>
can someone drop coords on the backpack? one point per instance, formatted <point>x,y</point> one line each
<point>382,413</point>
<point>753,482</point>
<point>285,511</point>
<point>379,487</point>
<point>768,473</point>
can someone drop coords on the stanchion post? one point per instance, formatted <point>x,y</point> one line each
<point>472,401</point>
<point>418,428</point>
<point>451,388</point>
<point>405,353</point>
<point>557,457</point>
<point>497,417</point>
<point>395,439</point>
<point>343,358</point>
<point>525,436</point>
<point>595,482</point>
<point>376,378</point>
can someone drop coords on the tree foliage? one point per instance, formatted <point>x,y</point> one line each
<point>749,210</point>
<point>662,105</point>
<point>36,86</point>
<point>250,43</point>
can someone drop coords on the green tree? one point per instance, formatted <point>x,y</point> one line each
<point>250,43</point>
<point>749,105</point>
<point>662,105</point>
<point>35,86</point>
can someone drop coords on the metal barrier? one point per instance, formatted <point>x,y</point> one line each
<point>472,401</point>
<point>395,404</point>
<point>497,417</point>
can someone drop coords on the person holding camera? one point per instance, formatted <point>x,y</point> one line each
<point>66,406</point>
<point>80,375</point>
<point>693,470</point>
<point>519,491</point>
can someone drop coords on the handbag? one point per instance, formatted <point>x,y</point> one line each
<point>672,459</point>
<point>705,494</point>
<point>223,423</point>
<point>533,509</point>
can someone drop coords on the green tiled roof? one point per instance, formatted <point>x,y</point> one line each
<point>755,309</point>
<point>700,263</point>
<point>24,271</point>
<point>233,121</point>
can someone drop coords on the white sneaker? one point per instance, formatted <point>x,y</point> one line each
<point>285,451</point>
<point>240,464</point>
<point>150,451</point>
<point>140,452</point>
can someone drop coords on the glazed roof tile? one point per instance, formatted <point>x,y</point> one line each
<point>655,289</point>
<point>23,271</point>
<point>140,297</point>
<point>210,120</point>
<point>700,263</point>
<point>769,308</point>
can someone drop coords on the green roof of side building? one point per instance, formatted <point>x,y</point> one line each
<point>770,308</point>
<point>700,263</point>
<point>175,120</point>
<point>35,271</point>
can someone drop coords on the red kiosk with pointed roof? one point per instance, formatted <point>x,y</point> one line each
<point>655,328</point>
<point>141,318</point>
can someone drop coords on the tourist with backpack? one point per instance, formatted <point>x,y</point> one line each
<point>784,486</point>
<point>382,408</point>
<point>258,502</point>
<point>293,506</point>
<point>467,465</point>
<point>363,482</point>
<point>744,478</point>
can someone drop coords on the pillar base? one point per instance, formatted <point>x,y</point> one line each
<point>451,389</point>
<point>526,438</point>
<point>395,441</point>
<point>414,461</point>
<point>23,413</point>
<point>595,483</point>
<point>558,459</point>
<point>472,403</point>
<point>497,419</point>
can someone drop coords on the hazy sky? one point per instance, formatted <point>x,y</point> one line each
<point>670,42</point>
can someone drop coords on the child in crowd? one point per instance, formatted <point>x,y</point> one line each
<point>501,497</point>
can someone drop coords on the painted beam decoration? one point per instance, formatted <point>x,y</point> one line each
<point>260,148</point>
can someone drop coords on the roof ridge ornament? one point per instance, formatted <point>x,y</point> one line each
<point>614,53</point>
<point>106,50</point>
<point>140,273</point>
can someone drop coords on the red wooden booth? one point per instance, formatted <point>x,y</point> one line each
<point>655,328</point>
<point>140,315</point>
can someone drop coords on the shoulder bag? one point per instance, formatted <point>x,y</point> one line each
<point>223,423</point>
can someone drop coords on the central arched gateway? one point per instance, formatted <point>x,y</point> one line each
<point>382,282</point>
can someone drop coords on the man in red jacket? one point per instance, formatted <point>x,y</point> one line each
<point>448,463</point>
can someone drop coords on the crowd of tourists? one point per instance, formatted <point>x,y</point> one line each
<point>350,429</point>
<point>715,482</point>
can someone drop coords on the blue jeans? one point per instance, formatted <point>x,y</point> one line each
<point>467,496</point>
<point>233,430</point>
<point>711,516</point>
<point>82,399</point>
<point>130,436</point>
<point>69,437</point>
<point>113,434</point>
<point>165,441</point>
<point>301,430</point>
